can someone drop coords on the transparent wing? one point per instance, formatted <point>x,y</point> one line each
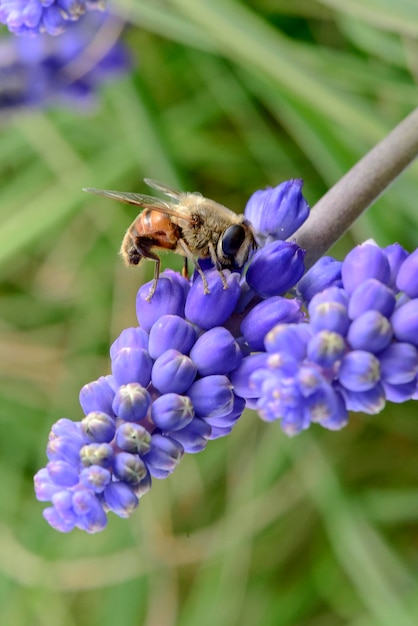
<point>141,200</point>
<point>168,191</point>
<point>137,199</point>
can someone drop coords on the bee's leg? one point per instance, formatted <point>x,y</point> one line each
<point>202,276</point>
<point>217,265</point>
<point>157,264</point>
<point>145,252</point>
<point>189,256</point>
<point>185,270</point>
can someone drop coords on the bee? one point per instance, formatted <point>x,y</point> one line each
<point>188,224</point>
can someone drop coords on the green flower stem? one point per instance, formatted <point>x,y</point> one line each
<point>334,213</point>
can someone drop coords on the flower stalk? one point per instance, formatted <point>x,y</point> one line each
<point>359,188</point>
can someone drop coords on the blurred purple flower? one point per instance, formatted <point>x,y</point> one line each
<point>44,71</point>
<point>32,17</point>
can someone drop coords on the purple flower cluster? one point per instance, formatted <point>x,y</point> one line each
<point>32,17</point>
<point>302,350</point>
<point>357,349</point>
<point>40,71</point>
<point>170,389</point>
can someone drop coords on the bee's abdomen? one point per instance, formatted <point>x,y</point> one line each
<point>153,228</point>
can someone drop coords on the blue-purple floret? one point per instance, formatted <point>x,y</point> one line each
<point>196,360</point>
<point>44,71</point>
<point>32,17</point>
<point>276,213</point>
<point>356,349</point>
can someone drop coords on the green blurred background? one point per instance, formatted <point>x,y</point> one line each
<point>225,97</point>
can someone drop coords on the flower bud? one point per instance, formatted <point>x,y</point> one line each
<point>276,213</point>
<point>326,348</point>
<point>282,364</point>
<point>97,454</point>
<point>172,412</point>
<point>64,449</point>
<point>400,393</point>
<point>216,352</point>
<point>45,485</point>
<point>262,378</point>
<point>339,416</point>
<point>370,331</point>
<point>241,377</point>
<point>214,308</point>
<point>129,468</point>
<point>407,278</point>
<point>95,478</point>
<point>364,261</point>
<point>97,396</point>
<point>212,395</point>
<point>54,519</point>
<point>359,371</point>
<point>98,427</point>
<point>405,322</point>
<point>230,418</point>
<point>132,365</point>
<point>267,314</point>
<point>372,401</point>
<point>64,504</point>
<point>63,473</point>
<point>326,407</point>
<point>129,338</point>
<point>217,432</point>
<point>330,294</point>
<point>324,274</point>
<point>171,332</point>
<point>173,372</point>
<point>133,438</point>
<point>398,363</point>
<point>263,275</point>
<point>91,516</point>
<point>290,338</point>
<point>168,299</point>
<point>120,498</point>
<point>331,316</point>
<point>371,295</point>
<point>66,428</point>
<point>194,436</point>
<point>131,402</point>
<point>164,456</point>
<point>143,486</point>
<point>396,255</point>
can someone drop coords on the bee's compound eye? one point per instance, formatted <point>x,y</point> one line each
<point>232,240</point>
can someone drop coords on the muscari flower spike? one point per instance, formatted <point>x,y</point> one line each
<point>356,349</point>
<point>344,339</point>
<point>37,72</point>
<point>32,17</point>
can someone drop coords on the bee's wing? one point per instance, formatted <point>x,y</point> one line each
<point>141,200</point>
<point>168,191</point>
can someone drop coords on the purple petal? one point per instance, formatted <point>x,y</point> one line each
<point>208,310</point>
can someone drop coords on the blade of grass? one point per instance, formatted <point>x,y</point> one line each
<point>374,570</point>
<point>400,16</point>
<point>158,19</point>
<point>253,43</point>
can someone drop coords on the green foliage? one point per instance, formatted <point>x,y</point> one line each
<point>225,97</point>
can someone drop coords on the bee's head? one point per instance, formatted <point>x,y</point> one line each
<point>235,245</point>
